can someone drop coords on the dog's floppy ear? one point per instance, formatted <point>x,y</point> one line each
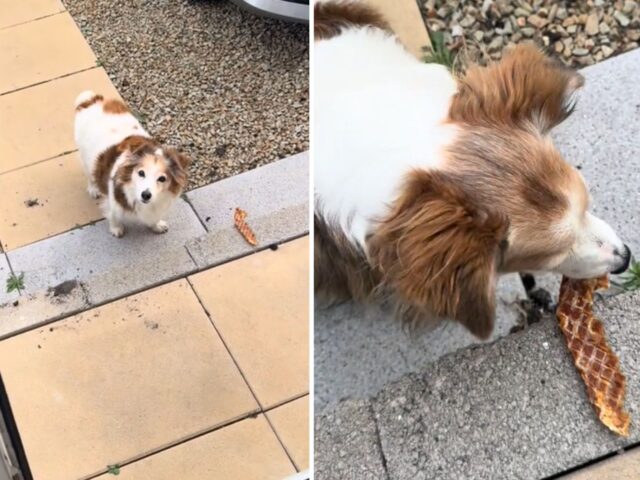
<point>438,253</point>
<point>179,158</point>
<point>137,145</point>
<point>178,166</point>
<point>525,86</point>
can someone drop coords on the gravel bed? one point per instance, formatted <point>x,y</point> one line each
<point>578,32</point>
<point>227,87</point>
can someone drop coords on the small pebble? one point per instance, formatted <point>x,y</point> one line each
<point>622,19</point>
<point>591,26</point>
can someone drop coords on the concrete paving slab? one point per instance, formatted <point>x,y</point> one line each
<point>37,122</point>
<point>33,310</point>
<point>359,350</point>
<point>226,243</point>
<point>14,13</point>
<point>42,50</point>
<point>603,138</point>
<point>107,266</point>
<point>246,450</point>
<point>5,271</point>
<point>260,192</point>
<point>260,306</point>
<point>515,409</point>
<point>120,381</point>
<point>43,200</point>
<point>275,197</point>
<point>291,423</point>
<point>347,444</point>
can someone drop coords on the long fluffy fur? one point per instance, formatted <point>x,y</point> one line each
<point>112,145</point>
<point>428,186</point>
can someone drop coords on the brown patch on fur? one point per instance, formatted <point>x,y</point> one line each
<point>115,106</point>
<point>341,270</point>
<point>178,168</point>
<point>525,86</point>
<point>88,103</point>
<point>134,144</point>
<point>522,175</point>
<point>332,17</point>
<point>438,252</point>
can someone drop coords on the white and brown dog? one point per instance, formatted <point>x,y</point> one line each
<point>427,186</point>
<point>138,178</point>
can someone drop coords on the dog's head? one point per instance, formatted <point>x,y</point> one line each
<point>150,173</point>
<point>506,200</point>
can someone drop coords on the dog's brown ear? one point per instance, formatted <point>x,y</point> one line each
<point>137,145</point>
<point>178,166</point>
<point>177,157</point>
<point>438,253</point>
<point>525,86</point>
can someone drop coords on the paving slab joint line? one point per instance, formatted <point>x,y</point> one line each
<point>383,457</point>
<point>51,80</point>
<point>187,200</point>
<point>284,402</point>
<point>259,249</point>
<point>226,346</point>
<point>594,461</point>
<point>251,414</point>
<point>38,162</point>
<point>33,19</point>
<point>77,226</point>
<point>284,447</point>
<point>224,342</point>
<point>89,306</point>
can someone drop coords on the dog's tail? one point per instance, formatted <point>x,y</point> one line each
<point>87,98</point>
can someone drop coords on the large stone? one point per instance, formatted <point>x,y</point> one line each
<point>359,350</point>
<point>347,444</point>
<point>516,409</point>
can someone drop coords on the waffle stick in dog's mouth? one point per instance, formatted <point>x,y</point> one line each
<point>597,364</point>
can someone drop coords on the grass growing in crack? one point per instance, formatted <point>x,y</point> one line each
<point>113,469</point>
<point>15,282</point>
<point>438,51</point>
<point>631,279</point>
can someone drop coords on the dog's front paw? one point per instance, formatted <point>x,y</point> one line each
<point>160,227</point>
<point>117,231</point>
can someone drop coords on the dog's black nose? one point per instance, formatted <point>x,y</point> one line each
<point>625,258</point>
<point>146,195</point>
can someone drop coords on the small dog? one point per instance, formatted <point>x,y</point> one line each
<point>428,186</point>
<point>138,178</point>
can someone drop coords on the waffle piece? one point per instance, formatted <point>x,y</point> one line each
<point>238,219</point>
<point>598,365</point>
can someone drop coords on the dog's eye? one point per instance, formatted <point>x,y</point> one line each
<point>162,179</point>
<point>141,173</point>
